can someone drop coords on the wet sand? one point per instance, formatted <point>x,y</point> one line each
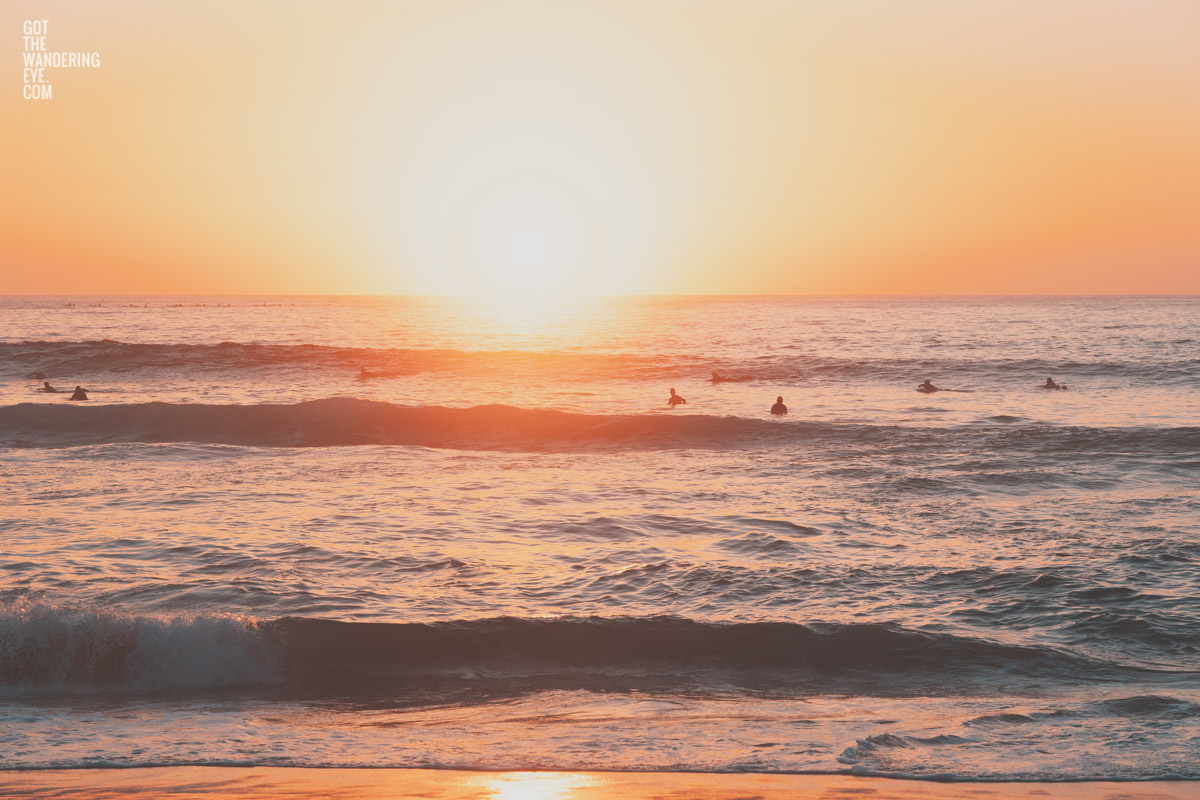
<point>278,783</point>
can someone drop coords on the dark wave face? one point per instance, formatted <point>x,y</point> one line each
<point>478,693</point>
<point>94,360</point>
<point>347,422</point>
<point>54,650</point>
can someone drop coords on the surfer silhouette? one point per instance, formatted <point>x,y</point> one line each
<point>779,408</point>
<point>46,387</point>
<point>1050,384</point>
<point>80,394</point>
<point>675,400</point>
<point>928,388</point>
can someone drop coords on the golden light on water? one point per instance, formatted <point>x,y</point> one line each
<point>540,320</point>
<point>535,785</point>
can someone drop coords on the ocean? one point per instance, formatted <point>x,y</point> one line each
<point>414,532</point>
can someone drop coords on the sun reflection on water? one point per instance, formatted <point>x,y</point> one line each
<point>535,785</point>
<point>535,321</point>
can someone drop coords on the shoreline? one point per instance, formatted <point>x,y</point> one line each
<point>286,783</point>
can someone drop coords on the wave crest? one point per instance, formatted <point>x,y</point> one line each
<point>45,648</point>
<point>51,649</point>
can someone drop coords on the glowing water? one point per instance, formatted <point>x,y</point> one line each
<point>986,584</point>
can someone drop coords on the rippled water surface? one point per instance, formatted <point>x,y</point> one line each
<point>498,548</point>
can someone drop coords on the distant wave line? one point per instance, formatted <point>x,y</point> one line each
<point>90,358</point>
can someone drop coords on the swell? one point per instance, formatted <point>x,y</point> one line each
<point>347,422</point>
<point>89,359</point>
<point>109,356</point>
<point>52,649</point>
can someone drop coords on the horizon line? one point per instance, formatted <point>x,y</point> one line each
<point>571,299</point>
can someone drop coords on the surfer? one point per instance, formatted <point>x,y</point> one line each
<point>928,388</point>
<point>46,387</point>
<point>363,374</point>
<point>1050,384</point>
<point>779,409</point>
<point>675,400</point>
<point>80,394</point>
<point>37,376</point>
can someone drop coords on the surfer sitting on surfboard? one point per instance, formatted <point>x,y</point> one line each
<point>675,400</point>
<point>1050,384</point>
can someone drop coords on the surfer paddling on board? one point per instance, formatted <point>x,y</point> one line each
<point>675,400</point>
<point>928,388</point>
<point>47,388</point>
<point>779,409</point>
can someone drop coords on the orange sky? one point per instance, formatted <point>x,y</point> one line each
<point>870,146</point>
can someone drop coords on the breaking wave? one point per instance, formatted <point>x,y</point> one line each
<point>52,649</point>
<point>45,648</point>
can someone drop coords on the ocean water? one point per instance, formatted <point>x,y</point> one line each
<point>500,549</point>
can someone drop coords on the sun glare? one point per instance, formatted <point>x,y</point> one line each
<point>527,237</point>
<point>527,269</point>
<point>512,202</point>
<point>528,249</point>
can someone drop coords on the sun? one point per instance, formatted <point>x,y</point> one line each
<point>524,237</point>
<point>524,262</point>
<point>507,211</point>
<point>528,248</point>
<point>503,216</point>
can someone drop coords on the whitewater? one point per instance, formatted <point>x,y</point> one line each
<point>413,532</point>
